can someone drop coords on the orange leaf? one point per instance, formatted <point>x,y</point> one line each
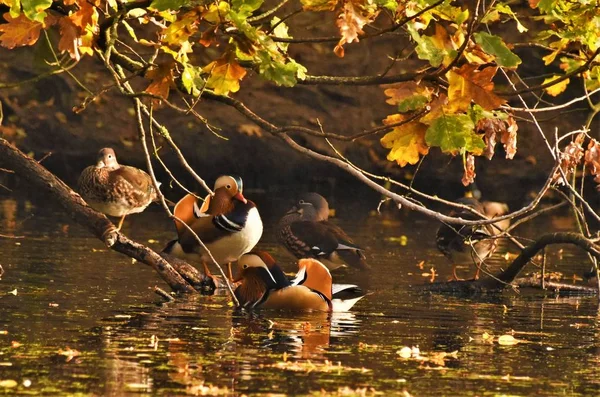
<point>350,22</point>
<point>469,167</point>
<point>162,80</point>
<point>86,15</point>
<point>69,37</point>
<point>467,84</point>
<point>18,32</point>
<point>509,138</point>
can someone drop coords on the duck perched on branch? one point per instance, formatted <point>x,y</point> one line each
<point>465,245</point>
<point>227,223</point>
<point>114,189</point>
<point>306,232</point>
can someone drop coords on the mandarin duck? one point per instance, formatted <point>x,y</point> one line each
<point>465,245</point>
<point>493,209</point>
<point>264,285</point>
<point>227,223</point>
<point>114,189</point>
<point>305,231</point>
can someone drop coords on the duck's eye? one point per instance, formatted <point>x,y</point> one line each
<point>245,266</point>
<point>110,156</point>
<point>301,202</point>
<point>228,186</point>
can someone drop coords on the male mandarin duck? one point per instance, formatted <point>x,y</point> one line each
<point>263,285</point>
<point>114,189</point>
<point>465,245</point>
<point>305,231</point>
<point>227,223</point>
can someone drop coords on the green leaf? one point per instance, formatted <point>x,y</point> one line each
<point>505,9</point>
<point>281,31</point>
<point>285,74</point>
<point>391,5</point>
<point>191,79</point>
<point>426,48</point>
<point>245,8</point>
<point>34,9</point>
<point>476,113</point>
<point>495,46</point>
<point>453,134</point>
<point>413,103</point>
<point>547,5</point>
<point>163,5</point>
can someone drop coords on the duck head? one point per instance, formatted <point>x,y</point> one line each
<point>107,158</point>
<point>255,277</point>
<point>310,207</point>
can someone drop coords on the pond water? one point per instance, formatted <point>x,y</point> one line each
<point>78,319</point>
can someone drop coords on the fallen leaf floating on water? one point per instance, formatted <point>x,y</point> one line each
<point>309,366</point>
<point>13,292</point>
<point>8,383</point>
<point>507,340</point>
<point>69,353</point>
<point>436,358</point>
<point>14,344</point>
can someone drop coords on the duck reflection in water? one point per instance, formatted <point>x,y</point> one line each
<point>305,336</point>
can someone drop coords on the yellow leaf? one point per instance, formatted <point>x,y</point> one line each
<point>507,340</point>
<point>557,88</point>
<point>407,142</point>
<point>224,76</point>
<point>180,31</point>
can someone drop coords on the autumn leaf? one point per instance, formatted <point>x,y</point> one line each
<point>436,109</point>
<point>558,88</point>
<point>426,48</point>
<point>161,78</point>
<point>495,46</point>
<point>469,168</point>
<point>87,15</point>
<point>180,31</point>
<point>570,158</point>
<point>350,22</point>
<point>319,5</point>
<point>69,37</point>
<point>18,32</point>
<point>509,138</point>
<point>592,161</point>
<point>408,96</point>
<point>36,9</point>
<point>491,129</point>
<point>453,134</point>
<point>592,157</point>
<point>407,142</point>
<point>468,84</point>
<point>225,76</point>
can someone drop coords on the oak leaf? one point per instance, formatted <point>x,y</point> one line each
<point>180,31</point>
<point>225,76</point>
<point>350,22</point>
<point>469,168</point>
<point>468,84</point>
<point>558,88</point>
<point>161,78</point>
<point>87,15</point>
<point>69,37</point>
<point>570,158</point>
<point>592,160</point>
<point>20,31</point>
<point>408,96</point>
<point>407,142</point>
<point>319,5</point>
<point>509,138</point>
<point>454,134</point>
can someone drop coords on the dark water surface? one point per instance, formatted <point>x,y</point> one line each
<point>84,321</point>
